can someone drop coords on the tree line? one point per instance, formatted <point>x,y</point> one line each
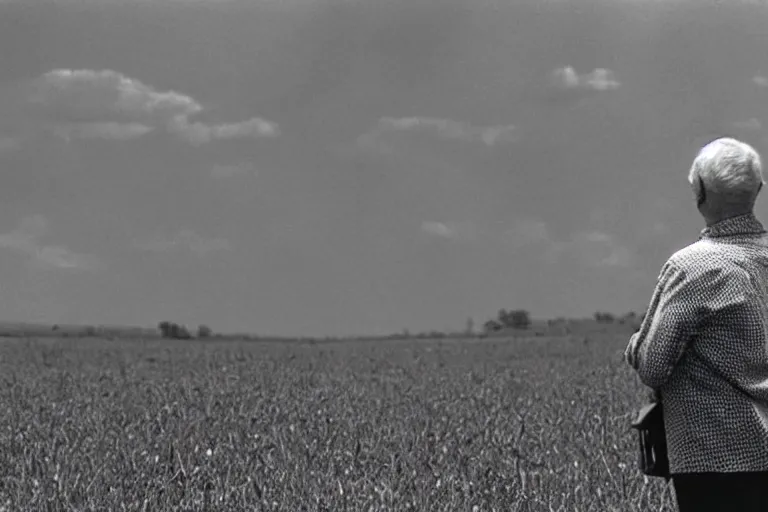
<point>520,319</point>
<point>175,331</point>
<point>517,319</point>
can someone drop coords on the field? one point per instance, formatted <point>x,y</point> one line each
<point>427,425</point>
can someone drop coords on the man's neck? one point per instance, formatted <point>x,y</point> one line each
<point>714,220</point>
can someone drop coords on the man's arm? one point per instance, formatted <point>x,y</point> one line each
<point>676,310</point>
<point>630,353</point>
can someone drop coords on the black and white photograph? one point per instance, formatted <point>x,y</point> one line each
<point>383,255</point>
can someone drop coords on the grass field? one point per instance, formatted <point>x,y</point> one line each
<point>450,425</point>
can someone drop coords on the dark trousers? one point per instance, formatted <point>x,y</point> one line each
<point>723,492</point>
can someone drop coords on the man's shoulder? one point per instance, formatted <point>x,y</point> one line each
<point>701,252</point>
<point>704,257</point>
<point>707,255</point>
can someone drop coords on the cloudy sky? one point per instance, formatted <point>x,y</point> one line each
<point>358,166</point>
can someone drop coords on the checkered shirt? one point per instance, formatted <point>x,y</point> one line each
<point>704,344</point>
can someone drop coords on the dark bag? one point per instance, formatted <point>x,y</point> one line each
<point>653,459</point>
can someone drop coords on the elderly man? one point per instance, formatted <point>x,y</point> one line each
<point>703,343</point>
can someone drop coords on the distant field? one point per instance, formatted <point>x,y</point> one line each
<point>452,425</point>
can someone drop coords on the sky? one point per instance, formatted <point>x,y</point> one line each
<point>342,167</point>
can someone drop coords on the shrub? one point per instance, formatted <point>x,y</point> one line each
<point>174,331</point>
<point>604,318</point>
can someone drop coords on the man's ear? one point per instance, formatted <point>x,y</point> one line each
<point>701,193</point>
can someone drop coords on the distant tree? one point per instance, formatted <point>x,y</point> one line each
<point>518,319</point>
<point>492,326</point>
<point>514,319</point>
<point>604,318</point>
<point>165,329</point>
<point>174,331</point>
<point>203,331</point>
<point>180,332</point>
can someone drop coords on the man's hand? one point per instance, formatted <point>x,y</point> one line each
<point>630,353</point>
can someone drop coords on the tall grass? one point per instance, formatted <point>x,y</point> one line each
<point>453,425</point>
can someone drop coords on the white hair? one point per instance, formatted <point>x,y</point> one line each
<point>729,168</point>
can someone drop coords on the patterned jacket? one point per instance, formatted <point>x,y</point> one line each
<point>704,344</point>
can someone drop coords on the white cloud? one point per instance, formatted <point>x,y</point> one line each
<point>750,124</point>
<point>449,230</point>
<point>104,130</point>
<point>591,248</point>
<point>437,229</point>
<point>527,231</point>
<point>444,128</point>
<point>597,249</point>
<point>26,237</point>
<point>599,79</point>
<point>186,240</point>
<point>89,95</point>
<point>618,256</point>
<point>106,104</point>
<point>230,171</point>
<point>200,133</point>
<point>56,256</point>
<point>567,77</point>
<point>760,80</point>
